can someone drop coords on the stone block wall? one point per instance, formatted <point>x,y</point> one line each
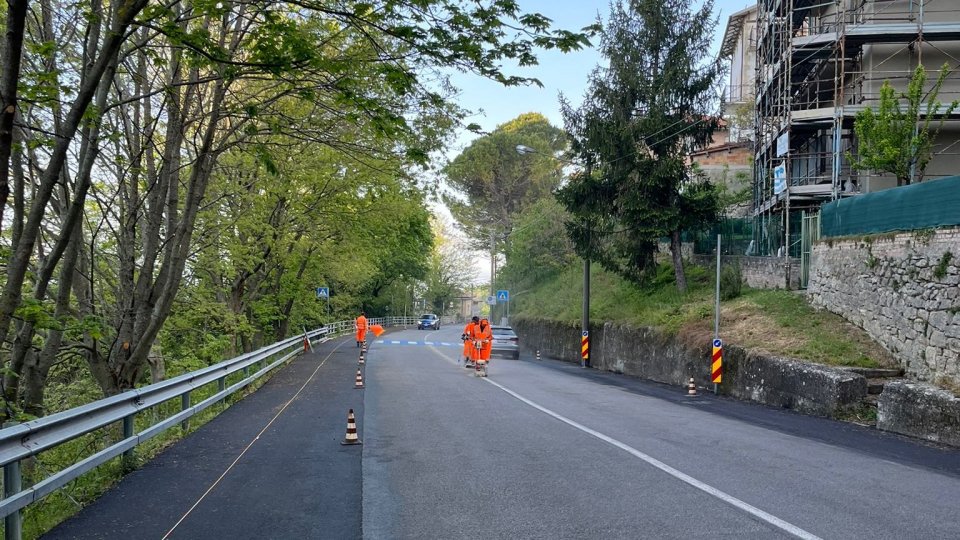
<point>903,289</point>
<point>759,272</point>
<point>647,353</point>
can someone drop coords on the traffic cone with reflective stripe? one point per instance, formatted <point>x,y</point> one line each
<point>351,437</point>
<point>359,384</point>
<point>361,359</point>
<point>538,354</point>
<point>691,388</point>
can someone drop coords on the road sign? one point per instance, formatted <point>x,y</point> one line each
<point>492,300</point>
<point>503,296</point>
<point>585,348</point>
<point>716,368</point>
<point>323,293</point>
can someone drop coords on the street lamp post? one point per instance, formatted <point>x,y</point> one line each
<point>585,320</point>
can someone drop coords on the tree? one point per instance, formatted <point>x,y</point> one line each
<point>126,112</point>
<point>450,271</point>
<point>641,116</point>
<point>898,139</point>
<point>493,183</point>
<point>539,246</point>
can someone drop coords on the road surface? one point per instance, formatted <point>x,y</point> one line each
<point>536,450</point>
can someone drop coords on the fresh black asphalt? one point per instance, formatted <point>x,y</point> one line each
<point>295,481</point>
<point>447,455</point>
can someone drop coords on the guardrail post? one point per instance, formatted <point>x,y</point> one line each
<point>128,426</point>
<point>221,385</point>
<point>12,483</point>
<point>184,405</point>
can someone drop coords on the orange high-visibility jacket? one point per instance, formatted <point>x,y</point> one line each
<point>361,325</point>
<point>468,343</point>
<point>484,332</point>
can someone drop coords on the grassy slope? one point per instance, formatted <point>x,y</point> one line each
<point>778,322</point>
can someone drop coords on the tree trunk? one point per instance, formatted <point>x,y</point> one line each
<point>19,262</point>
<point>676,249</point>
<point>12,53</point>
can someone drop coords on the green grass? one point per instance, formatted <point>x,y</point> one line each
<point>778,322</point>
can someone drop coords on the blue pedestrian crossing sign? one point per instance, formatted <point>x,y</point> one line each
<point>323,293</point>
<point>503,296</point>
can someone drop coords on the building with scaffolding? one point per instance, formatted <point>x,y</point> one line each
<point>819,63</point>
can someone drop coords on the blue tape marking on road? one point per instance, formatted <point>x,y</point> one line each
<point>421,343</point>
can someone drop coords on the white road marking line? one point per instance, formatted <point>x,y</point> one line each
<point>445,344</point>
<point>255,439</point>
<point>379,341</point>
<point>395,342</point>
<point>428,343</point>
<point>683,477</point>
<point>411,343</point>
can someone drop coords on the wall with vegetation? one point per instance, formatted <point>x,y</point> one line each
<point>903,289</point>
<point>647,353</point>
<point>759,272</point>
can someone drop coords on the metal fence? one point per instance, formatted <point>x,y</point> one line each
<point>24,441</point>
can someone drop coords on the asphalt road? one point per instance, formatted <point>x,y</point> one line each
<point>536,450</point>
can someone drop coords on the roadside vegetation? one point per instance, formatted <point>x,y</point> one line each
<point>775,321</point>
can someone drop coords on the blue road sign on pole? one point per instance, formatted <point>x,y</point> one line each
<point>323,293</point>
<point>503,296</point>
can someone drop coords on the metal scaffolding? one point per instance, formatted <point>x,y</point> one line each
<point>818,64</point>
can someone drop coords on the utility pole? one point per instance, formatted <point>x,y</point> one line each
<point>493,268</point>
<point>585,330</point>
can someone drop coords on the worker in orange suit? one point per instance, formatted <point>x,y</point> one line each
<point>485,335</point>
<point>467,337</point>
<point>360,325</point>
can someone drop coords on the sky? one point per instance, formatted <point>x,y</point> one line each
<point>494,104</point>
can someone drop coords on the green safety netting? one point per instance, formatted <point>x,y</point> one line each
<point>931,204</point>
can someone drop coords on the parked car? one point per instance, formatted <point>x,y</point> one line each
<point>428,321</point>
<point>505,342</point>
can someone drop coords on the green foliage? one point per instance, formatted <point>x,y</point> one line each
<point>898,138</point>
<point>731,281</point>
<point>538,247</point>
<point>941,270</point>
<point>494,182</point>
<point>643,113</point>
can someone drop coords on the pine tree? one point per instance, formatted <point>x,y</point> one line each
<point>642,114</point>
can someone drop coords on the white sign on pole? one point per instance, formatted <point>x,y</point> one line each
<point>492,300</point>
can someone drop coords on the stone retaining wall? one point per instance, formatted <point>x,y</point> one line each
<point>903,289</point>
<point>920,410</point>
<point>758,272</point>
<point>649,354</point>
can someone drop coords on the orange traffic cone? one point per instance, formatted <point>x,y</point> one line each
<point>306,344</point>
<point>359,384</point>
<point>351,437</point>
<point>361,359</point>
<point>691,388</point>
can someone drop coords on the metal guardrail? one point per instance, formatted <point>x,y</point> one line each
<point>22,441</point>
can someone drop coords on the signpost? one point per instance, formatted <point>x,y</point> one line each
<point>503,297</point>
<point>491,300</point>
<point>716,369</point>
<point>585,349</point>
<point>323,293</point>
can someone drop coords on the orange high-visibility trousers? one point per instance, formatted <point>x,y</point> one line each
<point>361,324</point>
<point>468,344</point>
<point>486,335</point>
